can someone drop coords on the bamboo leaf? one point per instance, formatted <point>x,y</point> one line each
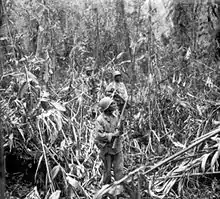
<point>58,119</point>
<point>180,186</point>
<point>10,141</point>
<point>120,55</point>
<point>32,77</point>
<point>33,194</point>
<point>101,192</point>
<point>117,190</point>
<point>204,160</point>
<point>159,188</point>
<point>38,166</point>
<point>215,157</point>
<point>188,53</point>
<point>55,171</point>
<point>169,186</point>
<point>178,144</point>
<point>55,195</point>
<point>152,194</point>
<point>22,133</point>
<point>73,182</point>
<point>58,106</point>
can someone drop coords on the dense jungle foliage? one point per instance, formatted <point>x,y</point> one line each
<point>168,52</point>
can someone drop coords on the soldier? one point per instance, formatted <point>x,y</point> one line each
<point>91,83</point>
<point>117,90</point>
<point>105,133</point>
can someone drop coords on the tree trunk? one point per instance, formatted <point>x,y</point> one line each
<point>123,38</point>
<point>97,58</point>
<point>1,35</point>
<point>149,69</point>
<point>2,169</point>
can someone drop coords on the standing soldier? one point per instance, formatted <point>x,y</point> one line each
<point>105,133</point>
<point>117,90</point>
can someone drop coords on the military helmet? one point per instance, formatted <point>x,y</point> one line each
<point>105,102</point>
<point>116,73</point>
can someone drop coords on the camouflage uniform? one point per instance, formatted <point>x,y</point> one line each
<point>106,125</point>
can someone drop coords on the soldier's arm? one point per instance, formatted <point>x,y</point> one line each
<point>101,135</point>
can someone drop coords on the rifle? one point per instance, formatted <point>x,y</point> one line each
<point>119,124</point>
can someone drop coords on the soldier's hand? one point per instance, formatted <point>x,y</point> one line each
<point>109,137</point>
<point>116,133</point>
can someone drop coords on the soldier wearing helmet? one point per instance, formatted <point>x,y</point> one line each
<point>117,90</point>
<point>105,133</point>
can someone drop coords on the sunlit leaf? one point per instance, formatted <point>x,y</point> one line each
<point>38,166</point>
<point>22,133</point>
<point>10,141</point>
<point>209,82</point>
<point>159,188</point>
<point>101,192</point>
<point>3,38</point>
<point>32,77</point>
<point>58,120</point>
<point>169,186</point>
<point>188,53</point>
<point>150,78</point>
<point>73,182</point>
<point>136,116</point>
<point>117,190</point>
<point>55,171</point>
<point>180,186</point>
<point>41,28</point>
<point>178,144</point>
<point>33,194</point>
<point>63,144</point>
<point>204,160</point>
<point>55,195</point>
<point>151,192</point>
<point>58,106</point>
<point>214,160</point>
<point>120,55</point>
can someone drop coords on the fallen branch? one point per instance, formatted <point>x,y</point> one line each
<point>188,175</point>
<point>203,138</point>
<point>210,134</point>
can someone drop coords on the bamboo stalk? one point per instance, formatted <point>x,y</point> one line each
<point>1,34</point>
<point>188,175</point>
<point>97,58</point>
<point>210,134</point>
<point>45,158</point>
<point>2,164</point>
<point>2,167</point>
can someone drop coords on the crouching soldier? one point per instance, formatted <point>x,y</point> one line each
<point>106,133</point>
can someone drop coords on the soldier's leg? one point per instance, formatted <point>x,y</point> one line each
<point>107,161</point>
<point>118,166</point>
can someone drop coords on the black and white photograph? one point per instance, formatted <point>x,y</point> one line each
<point>109,99</point>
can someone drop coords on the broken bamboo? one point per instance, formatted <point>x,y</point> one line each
<point>199,140</point>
